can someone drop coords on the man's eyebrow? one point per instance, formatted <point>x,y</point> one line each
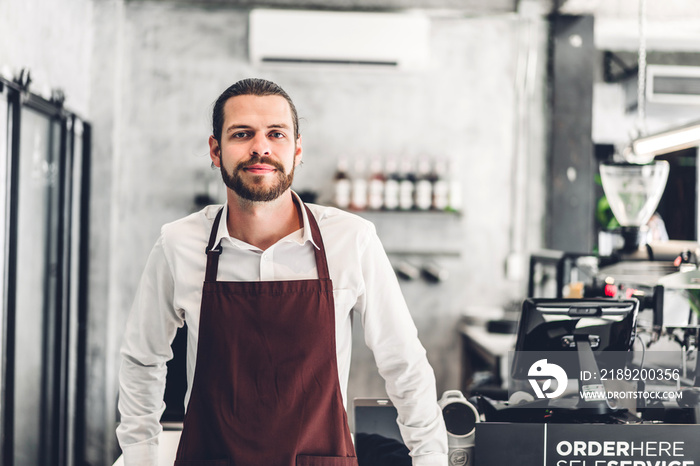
<point>237,126</point>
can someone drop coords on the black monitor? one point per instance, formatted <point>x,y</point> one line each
<point>558,327</point>
<point>376,416</point>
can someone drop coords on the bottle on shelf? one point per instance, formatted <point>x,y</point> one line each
<point>342,185</point>
<point>358,200</point>
<point>441,187</point>
<point>391,185</point>
<point>375,197</point>
<point>424,185</point>
<point>455,192</point>
<point>406,184</point>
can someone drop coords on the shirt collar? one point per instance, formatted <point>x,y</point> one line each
<point>306,235</point>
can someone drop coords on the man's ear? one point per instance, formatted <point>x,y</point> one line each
<point>214,151</point>
<point>298,152</point>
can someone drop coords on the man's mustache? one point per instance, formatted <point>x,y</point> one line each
<point>261,160</point>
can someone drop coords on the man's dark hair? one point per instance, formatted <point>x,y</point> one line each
<point>249,86</point>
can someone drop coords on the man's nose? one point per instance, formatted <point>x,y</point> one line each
<point>260,145</point>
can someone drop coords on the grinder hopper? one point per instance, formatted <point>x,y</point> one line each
<point>634,192</point>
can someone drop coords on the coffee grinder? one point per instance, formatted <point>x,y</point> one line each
<point>634,192</point>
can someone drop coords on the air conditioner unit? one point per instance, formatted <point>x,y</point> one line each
<point>392,40</point>
<point>673,84</point>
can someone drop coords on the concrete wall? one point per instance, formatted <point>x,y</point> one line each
<point>53,40</point>
<point>105,107</point>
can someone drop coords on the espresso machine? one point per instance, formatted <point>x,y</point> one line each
<point>662,275</point>
<point>637,265</point>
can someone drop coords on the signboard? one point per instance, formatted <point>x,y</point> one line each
<point>499,444</point>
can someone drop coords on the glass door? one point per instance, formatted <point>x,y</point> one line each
<point>42,157</point>
<point>4,246</point>
<point>36,289</point>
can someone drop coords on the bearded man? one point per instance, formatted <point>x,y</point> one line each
<point>268,287</point>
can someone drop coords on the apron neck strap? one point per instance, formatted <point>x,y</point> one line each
<point>320,252</point>
<point>213,250</point>
<point>213,253</point>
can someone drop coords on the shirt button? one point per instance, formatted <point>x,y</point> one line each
<point>266,257</point>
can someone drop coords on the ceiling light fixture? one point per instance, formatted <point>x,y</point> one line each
<point>644,149</point>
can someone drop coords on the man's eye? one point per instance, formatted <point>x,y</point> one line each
<point>239,135</point>
<point>277,135</point>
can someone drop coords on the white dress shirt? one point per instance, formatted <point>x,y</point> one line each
<point>170,293</point>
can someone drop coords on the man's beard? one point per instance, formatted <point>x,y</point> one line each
<point>255,190</point>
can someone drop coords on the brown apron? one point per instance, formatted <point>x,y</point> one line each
<point>266,389</point>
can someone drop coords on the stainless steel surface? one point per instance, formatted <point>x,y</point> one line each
<point>644,273</point>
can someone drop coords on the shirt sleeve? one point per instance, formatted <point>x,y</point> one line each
<point>401,359</point>
<point>150,329</point>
